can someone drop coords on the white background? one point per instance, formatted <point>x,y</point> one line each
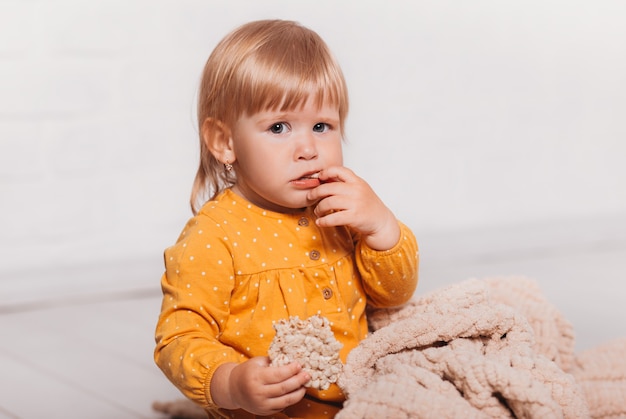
<point>465,117</point>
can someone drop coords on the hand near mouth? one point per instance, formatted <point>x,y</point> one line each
<point>343,198</point>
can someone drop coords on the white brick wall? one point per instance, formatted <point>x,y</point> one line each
<point>461,116</point>
<point>96,125</point>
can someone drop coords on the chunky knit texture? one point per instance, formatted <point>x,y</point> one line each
<point>492,348</point>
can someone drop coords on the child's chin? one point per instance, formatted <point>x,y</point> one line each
<point>297,199</point>
<point>291,205</point>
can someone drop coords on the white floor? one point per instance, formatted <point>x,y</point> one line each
<point>69,351</point>
<point>92,360</point>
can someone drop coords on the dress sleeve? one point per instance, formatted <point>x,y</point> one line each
<point>196,286</point>
<point>389,276</point>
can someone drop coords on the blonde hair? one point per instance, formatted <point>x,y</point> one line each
<point>262,65</point>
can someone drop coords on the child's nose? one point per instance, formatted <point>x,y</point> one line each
<point>306,147</point>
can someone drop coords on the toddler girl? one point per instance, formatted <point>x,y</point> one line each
<point>287,230</point>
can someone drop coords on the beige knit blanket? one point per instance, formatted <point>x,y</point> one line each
<point>492,348</point>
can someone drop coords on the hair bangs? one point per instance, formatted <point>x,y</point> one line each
<point>287,73</point>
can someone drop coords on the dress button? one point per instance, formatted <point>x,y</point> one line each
<point>327,293</point>
<point>303,222</point>
<point>314,255</point>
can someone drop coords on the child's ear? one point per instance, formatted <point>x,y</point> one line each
<point>218,140</point>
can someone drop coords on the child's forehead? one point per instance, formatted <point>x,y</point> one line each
<point>322,110</point>
<point>290,96</point>
<point>298,103</point>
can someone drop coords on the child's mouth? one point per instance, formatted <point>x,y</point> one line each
<point>308,181</point>
<point>311,176</point>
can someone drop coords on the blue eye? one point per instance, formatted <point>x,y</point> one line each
<point>278,128</point>
<point>320,127</point>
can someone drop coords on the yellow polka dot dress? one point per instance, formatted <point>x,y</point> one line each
<point>236,269</point>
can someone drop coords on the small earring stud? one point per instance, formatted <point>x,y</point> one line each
<point>228,167</point>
